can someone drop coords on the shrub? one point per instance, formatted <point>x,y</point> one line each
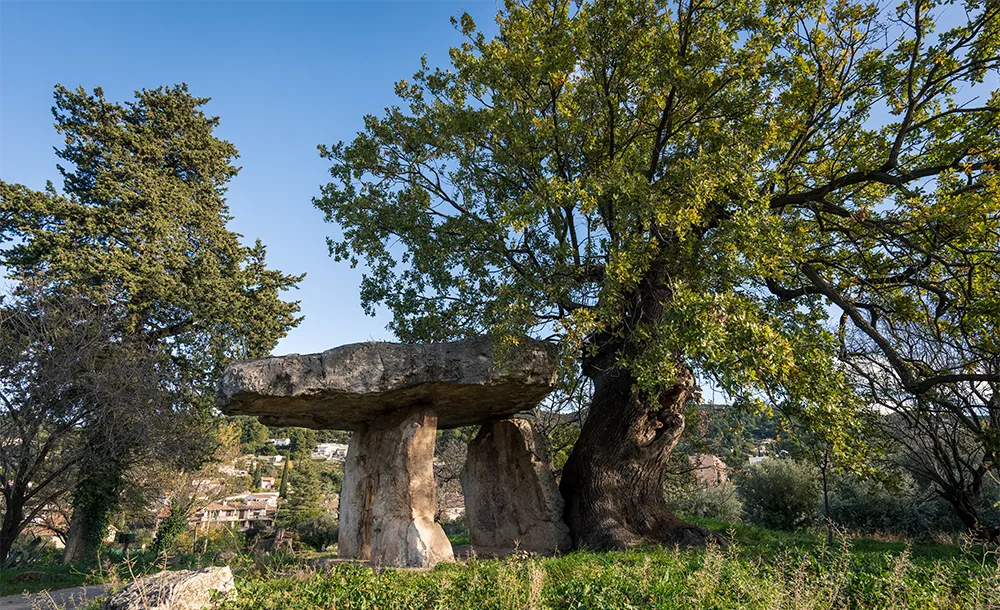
<point>319,532</point>
<point>780,494</point>
<point>716,502</point>
<point>172,526</point>
<point>904,508</point>
<point>456,531</point>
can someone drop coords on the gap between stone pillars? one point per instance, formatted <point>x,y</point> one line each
<point>388,500</point>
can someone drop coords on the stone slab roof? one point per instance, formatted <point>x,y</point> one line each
<point>466,382</point>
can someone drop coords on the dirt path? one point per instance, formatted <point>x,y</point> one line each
<point>74,598</point>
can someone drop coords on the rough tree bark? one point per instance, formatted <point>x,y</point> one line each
<point>75,547</point>
<point>13,519</point>
<point>613,480</point>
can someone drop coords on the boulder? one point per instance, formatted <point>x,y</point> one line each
<point>466,382</point>
<point>181,590</point>
<point>511,497</point>
<point>387,505</point>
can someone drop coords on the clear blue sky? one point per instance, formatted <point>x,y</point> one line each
<point>283,77</point>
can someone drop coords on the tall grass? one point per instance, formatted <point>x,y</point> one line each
<point>740,576</point>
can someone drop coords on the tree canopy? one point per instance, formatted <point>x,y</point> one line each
<point>143,217</point>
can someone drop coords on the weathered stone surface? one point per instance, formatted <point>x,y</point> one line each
<point>180,590</point>
<point>354,536</point>
<point>466,382</point>
<point>511,497</point>
<point>387,503</point>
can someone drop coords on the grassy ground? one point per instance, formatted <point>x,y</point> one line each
<point>32,579</point>
<point>760,570</point>
<point>49,577</point>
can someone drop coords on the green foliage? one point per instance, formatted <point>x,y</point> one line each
<point>720,502</point>
<point>172,526</point>
<point>303,441</point>
<point>253,434</point>
<point>303,495</point>
<point>731,432</point>
<point>320,532</point>
<point>143,218</point>
<point>95,499</point>
<point>902,507</point>
<point>283,487</point>
<point>457,532</point>
<point>693,210</point>
<point>141,222</point>
<point>780,493</point>
<point>331,477</point>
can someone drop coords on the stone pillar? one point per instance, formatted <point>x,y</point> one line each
<point>387,504</point>
<point>354,537</point>
<point>511,497</point>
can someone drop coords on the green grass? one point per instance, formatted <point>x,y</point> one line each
<point>762,569</point>
<point>50,578</point>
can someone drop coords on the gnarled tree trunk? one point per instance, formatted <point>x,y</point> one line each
<point>613,480</point>
<point>95,499</point>
<point>13,519</point>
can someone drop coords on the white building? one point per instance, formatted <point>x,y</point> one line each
<point>330,451</point>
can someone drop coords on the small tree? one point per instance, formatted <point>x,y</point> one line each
<point>69,381</point>
<point>303,499</point>
<point>302,443</point>
<point>173,525</point>
<point>283,488</point>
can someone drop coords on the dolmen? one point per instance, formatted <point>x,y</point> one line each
<point>393,398</point>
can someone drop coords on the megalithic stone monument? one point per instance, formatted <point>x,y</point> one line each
<point>393,397</point>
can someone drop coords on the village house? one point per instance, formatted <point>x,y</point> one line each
<point>330,451</point>
<point>233,471</point>
<point>267,483</point>
<point>708,469</point>
<point>270,497</point>
<point>235,514</point>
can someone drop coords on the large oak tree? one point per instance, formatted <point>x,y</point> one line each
<point>672,191</point>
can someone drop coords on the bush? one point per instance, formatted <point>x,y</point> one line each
<point>319,532</point>
<point>172,526</point>
<point>456,531</point>
<point>780,494</point>
<point>903,508</point>
<point>716,502</point>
